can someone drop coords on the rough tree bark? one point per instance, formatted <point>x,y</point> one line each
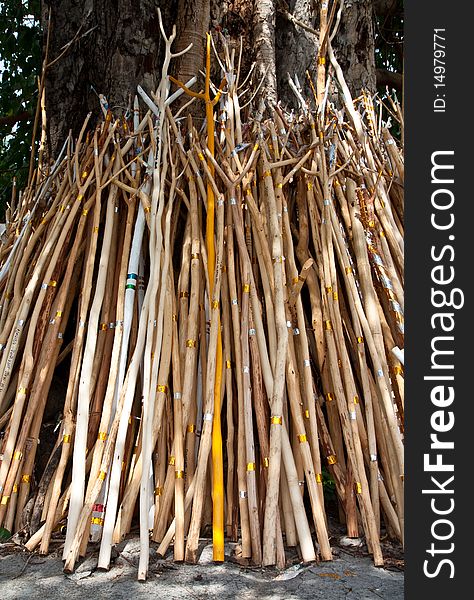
<point>193,19</point>
<point>264,40</point>
<point>303,45</point>
<point>354,46</point>
<point>124,49</point>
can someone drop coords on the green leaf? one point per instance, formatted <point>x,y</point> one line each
<point>20,56</point>
<point>4,534</point>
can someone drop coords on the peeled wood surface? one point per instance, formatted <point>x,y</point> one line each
<point>303,306</point>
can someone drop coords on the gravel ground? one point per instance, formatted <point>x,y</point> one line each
<point>351,576</point>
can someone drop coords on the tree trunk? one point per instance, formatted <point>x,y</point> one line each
<point>264,41</point>
<point>192,23</point>
<point>124,49</point>
<point>118,45</point>
<point>354,46</point>
<point>296,48</point>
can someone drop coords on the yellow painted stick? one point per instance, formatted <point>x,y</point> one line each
<point>217,457</point>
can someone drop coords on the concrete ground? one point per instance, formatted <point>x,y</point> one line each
<point>351,576</point>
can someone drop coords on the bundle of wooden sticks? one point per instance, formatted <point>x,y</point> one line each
<point>229,306</point>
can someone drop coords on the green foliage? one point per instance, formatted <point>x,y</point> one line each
<point>389,35</point>
<point>4,534</point>
<point>389,39</point>
<point>329,487</point>
<point>20,62</point>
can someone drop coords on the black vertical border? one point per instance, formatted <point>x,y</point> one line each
<point>427,132</point>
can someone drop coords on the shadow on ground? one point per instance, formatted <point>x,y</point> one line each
<point>351,575</point>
